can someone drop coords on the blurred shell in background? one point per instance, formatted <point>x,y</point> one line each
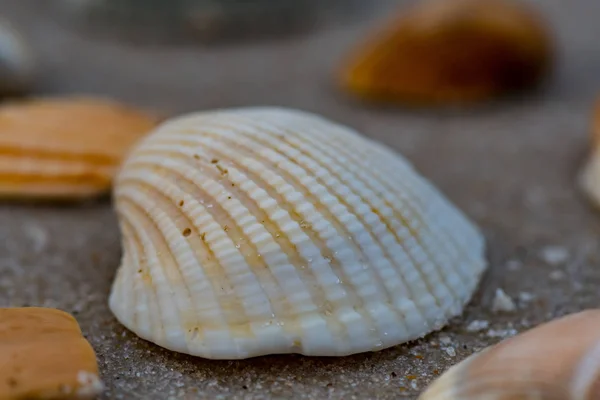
<point>589,176</point>
<point>265,230</point>
<point>451,51</point>
<point>158,21</point>
<point>558,360</point>
<point>65,148</point>
<point>17,65</point>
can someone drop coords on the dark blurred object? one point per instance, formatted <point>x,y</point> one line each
<point>163,21</point>
<point>16,62</point>
<point>452,51</point>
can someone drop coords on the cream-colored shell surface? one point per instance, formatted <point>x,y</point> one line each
<point>266,230</point>
<point>557,360</point>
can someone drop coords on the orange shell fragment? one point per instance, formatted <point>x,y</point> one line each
<point>43,355</point>
<point>451,51</point>
<point>65,148</point>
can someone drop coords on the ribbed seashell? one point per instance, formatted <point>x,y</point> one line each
<point>265,230</point>
<point>589,176</point>
<point>558,360</point>
<point>451,51</point>
<point>65,148</point>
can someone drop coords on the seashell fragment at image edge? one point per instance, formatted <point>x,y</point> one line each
<point>266,230</point>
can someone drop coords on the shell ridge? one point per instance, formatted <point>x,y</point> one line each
<point>313,173</point>
<point>429,213</point>
<point>427,223</point>
<point>442,272</point>
<point>232,226</point>
<point>273,292</point>
<point>385,152</point>
<point>136,250</point>
<point>378,208</point>
<point>231,170</point>
<point>166,266</point>
<point>265,267</point>
<point>187,261</point>
<point>241,186</point>
<point>458,301</point>
<point>309,129</point>
<point>461,225</point>
<point>407,193</point>
<point>230,147</point>
<point>469,229</point>
<point>148,290</point>
<point>231,161</point>
<point>163,298</point>
<point>139,299</point>
<point>290,178</point>
<point>375,237</point>
<point>125,274</point>
<point>371,190</point>
<point>223,335</point>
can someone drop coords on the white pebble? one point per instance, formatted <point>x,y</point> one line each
<point>556,275</point>
<point>478,325</point>
<point>526,297</point>
<point>37,235</point>
<point>502,302</point>
<point>445,340</point>
<point>513,265</point>
<point>450,351</point>
<point>501,333</point>
<point>554,255</point>
<point>413,384</point>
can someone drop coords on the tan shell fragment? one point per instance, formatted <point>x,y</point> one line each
<point>451,52</point>
<point>265,230</point>
<point>589,176</point>
<point>558,360</point>
<point>65,148</point>
<point>43,355</point>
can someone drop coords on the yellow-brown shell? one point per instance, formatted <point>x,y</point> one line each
<point>43,355</point>
<point>65,148</point>
<point>558,360</point>
<point>451,51</point>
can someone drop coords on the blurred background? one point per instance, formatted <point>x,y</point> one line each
<point>192,54</point>
<point>510,165</point>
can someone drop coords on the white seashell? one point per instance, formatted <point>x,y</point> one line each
<point>558,360</point>
<point>588,179</point>
<point>264,230</point>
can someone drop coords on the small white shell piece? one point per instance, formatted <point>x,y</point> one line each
<point>589,178</point>
<point>558,360</point>
<point>266,230</point>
